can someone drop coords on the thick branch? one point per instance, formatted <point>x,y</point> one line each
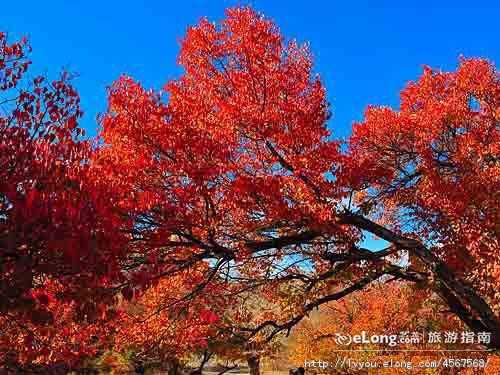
<point>461,297</point>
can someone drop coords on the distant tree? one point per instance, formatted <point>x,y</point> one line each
<point>163,327</point>
<point>381,309</point>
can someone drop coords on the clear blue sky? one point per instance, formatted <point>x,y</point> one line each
<point>365,50</point>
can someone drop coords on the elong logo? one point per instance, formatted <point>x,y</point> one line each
<point>364,338</point>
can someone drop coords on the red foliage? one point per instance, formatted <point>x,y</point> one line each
<point>434,164</point>
<point>212,154</point>
<point>54,221</point>
<point>164,322</point>
<point>228,183</point>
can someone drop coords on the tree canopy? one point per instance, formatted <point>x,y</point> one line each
<point>224,204</point>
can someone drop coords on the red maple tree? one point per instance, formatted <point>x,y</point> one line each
<point>235,167</point>
<point>57,260</point>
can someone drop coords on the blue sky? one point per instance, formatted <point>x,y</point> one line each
<point>365,50</point>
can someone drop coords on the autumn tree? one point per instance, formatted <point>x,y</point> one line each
<point>232,166</point>
<point>384,308</point>
<point>167,324</point>
<point>163,326</point>
<point>431,170</point>
<point>56,260</point>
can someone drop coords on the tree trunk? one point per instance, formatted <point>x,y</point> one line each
<point>204,360</point>
<point>254,364</point>
<point>173,366</point>
<point>468,305</point>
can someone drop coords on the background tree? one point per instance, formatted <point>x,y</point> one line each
<point>163,327</point>
<point>383,308</point>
